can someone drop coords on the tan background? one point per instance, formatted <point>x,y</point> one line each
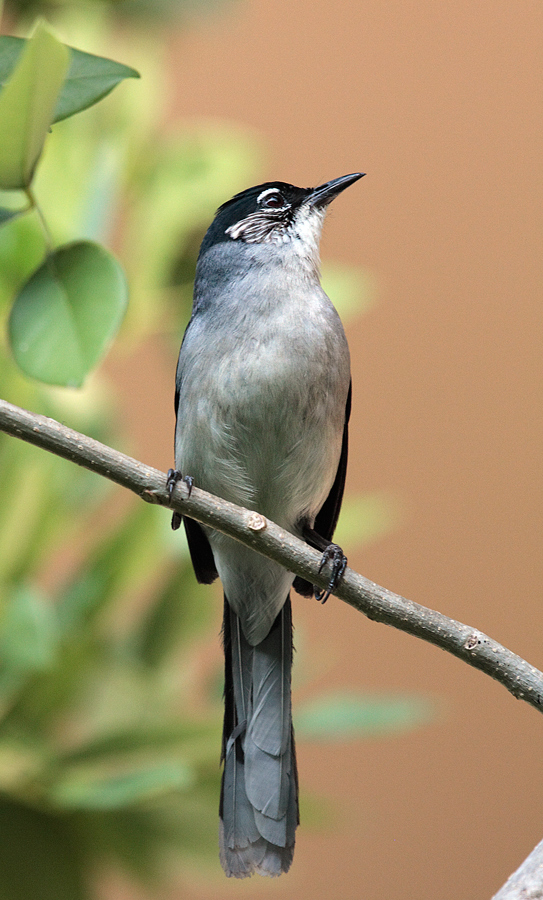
<point>441,105</point>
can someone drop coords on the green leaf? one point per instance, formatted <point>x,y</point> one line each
<point>7,214</point>
<point>22,248</point>
<point>65,316</point>
<point>27,105</point>
<point>345,715</point>
<point>139,838</point>
<point>91,790</point>
<point>23,759</point>
<point>119,564</point>
<point>39,855</point>
<point>10,51</point>
<point>196,741</point>
<point>89,78</point>
<point>28,636</point>
<point>179,612</point>
<point>10,206</point>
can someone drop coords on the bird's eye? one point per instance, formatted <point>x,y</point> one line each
<point>273,201</point>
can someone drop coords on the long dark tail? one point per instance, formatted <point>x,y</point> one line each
<point>259,792</point>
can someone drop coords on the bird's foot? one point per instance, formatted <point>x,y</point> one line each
<point>174,477</point>
<point>335,556</point>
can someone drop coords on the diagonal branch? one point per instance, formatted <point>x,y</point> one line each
<point>475,648</point>
<point>527,882</point>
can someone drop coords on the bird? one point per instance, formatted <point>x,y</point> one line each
<point>262,403</point>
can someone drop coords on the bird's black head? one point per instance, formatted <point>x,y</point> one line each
<point>276,213</point>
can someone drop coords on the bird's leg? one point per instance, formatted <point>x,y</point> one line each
<point>173,477</point>
<point>332,554</point>
<point>338,563</point>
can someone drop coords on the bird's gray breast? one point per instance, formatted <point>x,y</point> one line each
<point>263,379</point>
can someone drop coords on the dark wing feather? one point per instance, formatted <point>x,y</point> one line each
<point>200,552</point>
<point>200,549</point>
<point>326,519</point>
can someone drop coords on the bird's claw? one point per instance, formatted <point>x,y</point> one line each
<point>174,477</point>
<point>335,556</point>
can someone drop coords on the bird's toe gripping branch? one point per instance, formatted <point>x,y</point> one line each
<point>335,557</point>
<point>174,477</point>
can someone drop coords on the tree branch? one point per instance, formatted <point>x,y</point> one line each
<point>527,882</point>
<point>520,678</point>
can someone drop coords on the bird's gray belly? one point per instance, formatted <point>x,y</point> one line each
<point>263,431</point>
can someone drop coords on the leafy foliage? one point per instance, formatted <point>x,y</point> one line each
<point>67,313</point>
<point>27,105</point>
<point>145,10</point>
<point>343,715</point>
<point>89,78</point>
<point>91,737</point>
<point>72,305</point>
<point>40,855</point>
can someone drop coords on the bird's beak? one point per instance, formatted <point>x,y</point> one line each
<point>324,194</point>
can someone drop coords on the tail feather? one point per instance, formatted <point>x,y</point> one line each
<point>274,830</point>
<point>240,827</point>
<point>267,781</point>
<point>270,725</point>
<point>259,794</point>
<point>240,862</point>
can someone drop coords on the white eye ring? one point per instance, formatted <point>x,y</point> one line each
<point>266,192</point>
<point>269,192</point>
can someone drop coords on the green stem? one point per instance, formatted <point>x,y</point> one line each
<point>45,228</point>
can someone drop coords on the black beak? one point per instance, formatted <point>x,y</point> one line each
<point>324,194</point>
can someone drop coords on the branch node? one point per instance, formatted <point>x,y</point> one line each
<point>473,641</point>
<point>256,522</point>
<point>151,496</point>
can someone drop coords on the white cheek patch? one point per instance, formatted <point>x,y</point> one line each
<point>258,228</point>
<point>235,231</point>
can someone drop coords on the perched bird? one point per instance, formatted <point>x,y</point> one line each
<point>262,403</point>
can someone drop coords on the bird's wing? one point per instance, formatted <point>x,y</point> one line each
<point>199,547</point>
<point>200,552</point>
<point>326,519</point>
